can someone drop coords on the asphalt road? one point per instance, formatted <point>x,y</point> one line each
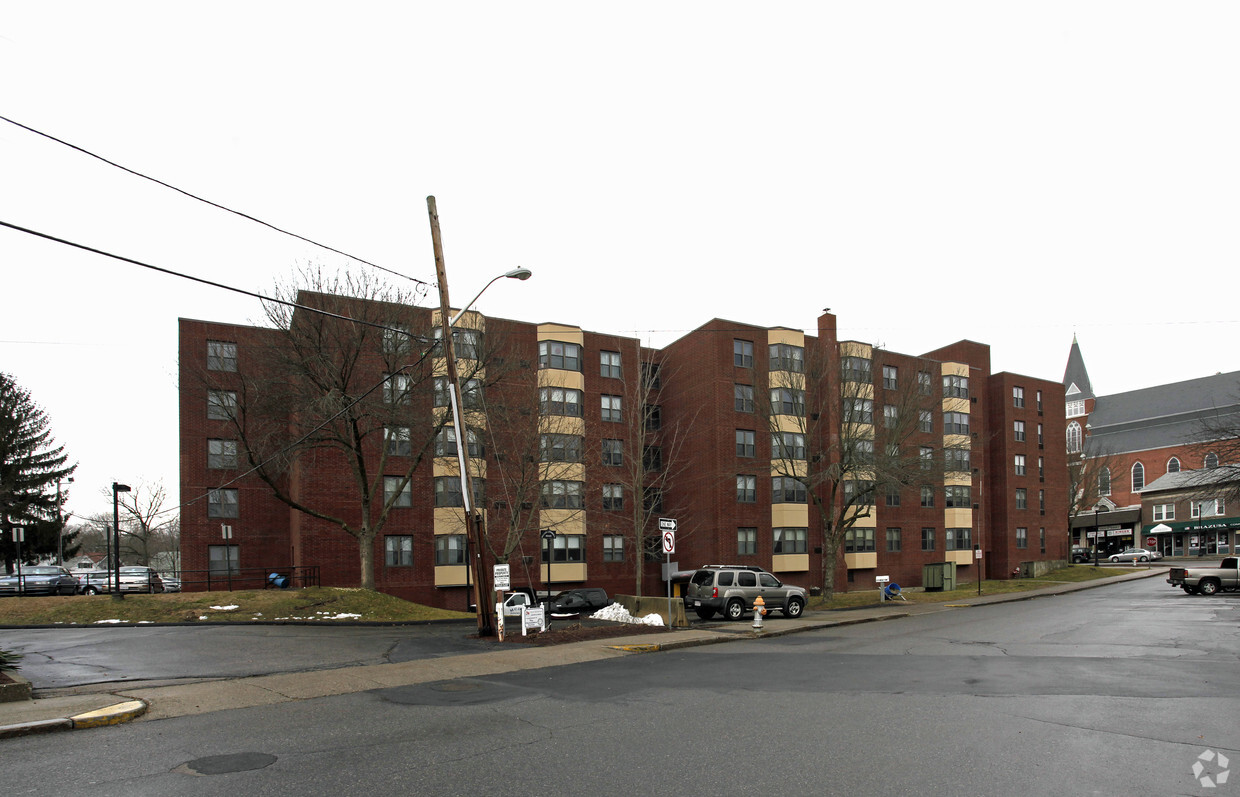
<point>1115,691</point>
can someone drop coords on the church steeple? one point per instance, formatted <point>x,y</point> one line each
<point>1076,385</point>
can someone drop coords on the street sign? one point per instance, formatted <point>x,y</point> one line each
<point>669,542</point>
<point>503,578</point>
<point>226,531</point>
<point>667,524</point>
<point>19,534</point>
<point>548,534</point>
<point>1150,542</point>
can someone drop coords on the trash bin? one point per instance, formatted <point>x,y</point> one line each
<point>938,576</point>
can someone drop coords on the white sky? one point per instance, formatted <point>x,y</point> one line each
<point>1012,173</point>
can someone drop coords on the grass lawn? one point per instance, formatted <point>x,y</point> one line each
<point>315,604</point>
<point>1070,574</point>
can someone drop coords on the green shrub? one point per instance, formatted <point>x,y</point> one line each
<point>8,660</point>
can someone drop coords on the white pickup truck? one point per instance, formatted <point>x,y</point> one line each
<point>1207,580</point>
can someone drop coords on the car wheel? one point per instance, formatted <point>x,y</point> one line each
<point>735,609</point>
<point>1115,559</point>
<point>794,608</point>
<point>1145,558</point>
<point>1208,587</point>
<point>705,614</point>
<point>91,591</point>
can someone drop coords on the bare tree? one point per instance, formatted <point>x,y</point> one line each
<point>147,528</point>
<point>1216,441</point>
<point>1089,480</point>
<point>833,447</point>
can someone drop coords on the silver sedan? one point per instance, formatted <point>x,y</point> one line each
<point>1135,555</point>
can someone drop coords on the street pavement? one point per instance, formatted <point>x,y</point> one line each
<point>128,702</point>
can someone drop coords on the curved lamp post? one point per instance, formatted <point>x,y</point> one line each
<point>117,489</point>
<point>472,520</point>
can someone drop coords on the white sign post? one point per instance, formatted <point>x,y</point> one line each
<point>881,581</point>
<point>667,527</point>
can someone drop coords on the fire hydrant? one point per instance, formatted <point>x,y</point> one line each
<point>759,609</point>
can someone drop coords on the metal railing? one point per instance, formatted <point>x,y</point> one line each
<point>275,577</point>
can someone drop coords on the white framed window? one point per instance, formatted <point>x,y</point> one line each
<point>1018,396</point>
<point>746,488</point>
<point>1211,460</point>
<point>398,441</point>
<point>1020,464</point>
<point>1018,429</point>
<point>398,550</point>
<point>746,541</point>
<point>789,540</point>
<point>891,377</point>
<point>1074,437</point>
<point>222,503</point>
<point>609,364</point>
<point>221,356</point>
<point>742,353</point>
<point>559,355</point>
<point>611,409</point>
<point>613,497</point>
<point>221,405</point>
<point>222,454</point>
<point>613,548</point>
<point>1022,537</point>
<point>449,549</point>
<point>1163,512</point>
<point>1138,476</point>
<point>398,494</point>
<point>1173,465</point>
<point>1104,481</point>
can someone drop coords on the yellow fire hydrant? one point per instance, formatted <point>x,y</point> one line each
<point>759,609</point>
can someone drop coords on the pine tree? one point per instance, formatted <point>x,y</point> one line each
<point>30,465</point>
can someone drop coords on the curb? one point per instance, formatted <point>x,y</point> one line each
<point>109,715</point>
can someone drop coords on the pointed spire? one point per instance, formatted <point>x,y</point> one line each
<point>1075,378</point>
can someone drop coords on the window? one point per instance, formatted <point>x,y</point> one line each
<point>1018,430</point>
<point>893,540</point>
<point>1022,537</point>
<point>892,498</point>
<point>927,495</point>
<point>398,550</point>
<point>566,548</point>
<point>891,415</point>
<point>891,377</point>
<point>956,460</point>
<point>561,494</point>
<point>1104,481</point>
<point>613,452</point>
<point>449,550</point>
<point>652,378</point>
<point>611,409</point>
<point>221,356</point>
<point>396,338</point>
<point>1041,468</point>
<point>959,540</point>
<point>222,454</point>
<point>560,355</point>
<point>858,491</point>
<point>613,497</point>
<point>923,383</point>
<point>1211,460</point>
<point>925,421</point>
<point>789,540</point>
<point>1042,501</point>
<point>560,447</point>
<point>1042,539</point>
<point>222,503</point>
<point>955,423</point>
<point>955,386</point>
<point>787,445</point>
<point>858,540</point>
<point>927,457</point>
<point>1018,397</point>
<point>613,548</point>
<point>1074,437</point>
<point>397,441</point>
<point>397,389</point>
<point>927,538</point>
<point>746,443</point>
<point>957,496</point>
<point>1164,512</point>
<point>1022,498</point>
<point>609,364</point>
<point>787,401</point>
<point>746,541</point>
<point>746,489</point>
<point>743,398</point>
<point>221,404</point>
<point>742,353</point>
<point>1040,440</point>
<point>653,417</point>
<point>1074,409</point>
<point>786,357</point>
<point>1211,507</point>
<point>1020,464</point>
<point>1173,465</point>
<point>448,491</point>
<point>223,559</point>
<point>1138,477</point>
<point>397,494</point>
<point>863,452</point>
<point>1039,400</point>
<point>855,369</point>
<point>652,458</point>
<point>787,490</point>
<point>858,410</point>
<point>445,443</point>
<point>565,401</point>
<point>471,393</point>
<point>466,342</point>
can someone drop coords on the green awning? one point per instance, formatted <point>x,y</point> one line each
<point>1196,524</point>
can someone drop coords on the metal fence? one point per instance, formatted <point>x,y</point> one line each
<point>279,577</point>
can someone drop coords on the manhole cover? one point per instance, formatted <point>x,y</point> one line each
<point>455,686</point>
<point>225,764</point>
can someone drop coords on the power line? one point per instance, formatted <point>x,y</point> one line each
<point>209,202</point>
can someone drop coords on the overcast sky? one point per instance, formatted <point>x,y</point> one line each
<point>1011,173</point>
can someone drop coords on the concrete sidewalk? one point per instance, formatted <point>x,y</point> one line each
<point>128,702</point>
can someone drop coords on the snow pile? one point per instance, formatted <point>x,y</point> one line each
<point>228,608</point>
<point>618,614</point>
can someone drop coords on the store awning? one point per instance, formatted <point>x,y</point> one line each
<point>1196,524</point>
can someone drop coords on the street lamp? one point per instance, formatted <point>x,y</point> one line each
<point>117,489</point>
<point>60,533</point>
<point>1096,510</point>
<point>472,519</point>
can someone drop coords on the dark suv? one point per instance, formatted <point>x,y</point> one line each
<point>731,589</point>
<point>580,600</point>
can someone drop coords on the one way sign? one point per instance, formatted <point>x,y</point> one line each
<point>667,526</point>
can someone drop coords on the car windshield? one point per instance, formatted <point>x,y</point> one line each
<point>141,571</point>
<point>41,571</point>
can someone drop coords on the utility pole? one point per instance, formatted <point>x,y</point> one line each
<point>473,519</point>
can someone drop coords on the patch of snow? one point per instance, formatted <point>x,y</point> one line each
<point>227,608</point>
<point>618,614</point>
<point>101,622</point>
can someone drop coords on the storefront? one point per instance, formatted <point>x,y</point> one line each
<point>1214,536</point>
<point>1112,531</point>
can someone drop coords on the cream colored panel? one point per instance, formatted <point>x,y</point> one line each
<point>451,575</point>
<point>451,466</point>
<point>955,404</point>
<point>790,423</point>
<point>958,479</point>
<point>959,557</point>
<point>564,521</point>
<point>563,471</point>
<point>794,337</point>
<point>449,520</point>
<point>790,515</point>
<point>861,561</point>
<point>790,563</point>
<point>958,518</point>
<point>564,571</point>
<point>957,441</point>
<point>851,348</point>
<point>554,377</point>
<point>562,424</point>
<point>955,369</point>
<point>561,332</point>
<point>780,467</point>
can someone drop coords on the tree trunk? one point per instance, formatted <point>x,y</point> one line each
<point>366,557</point>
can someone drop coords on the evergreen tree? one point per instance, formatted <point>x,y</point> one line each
<point>30,465</point>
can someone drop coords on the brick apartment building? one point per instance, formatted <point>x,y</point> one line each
<point>1131,442</point>
<point>706,431</point>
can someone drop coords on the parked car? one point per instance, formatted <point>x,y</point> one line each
<point>1135,555</point>
<point>134,578</point>
<point>731,589</point>
<point>1207,580</point>
<point>40,580</point>
<point>171,583</point>
<point>1081,554</point>
<point>580,601</point>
